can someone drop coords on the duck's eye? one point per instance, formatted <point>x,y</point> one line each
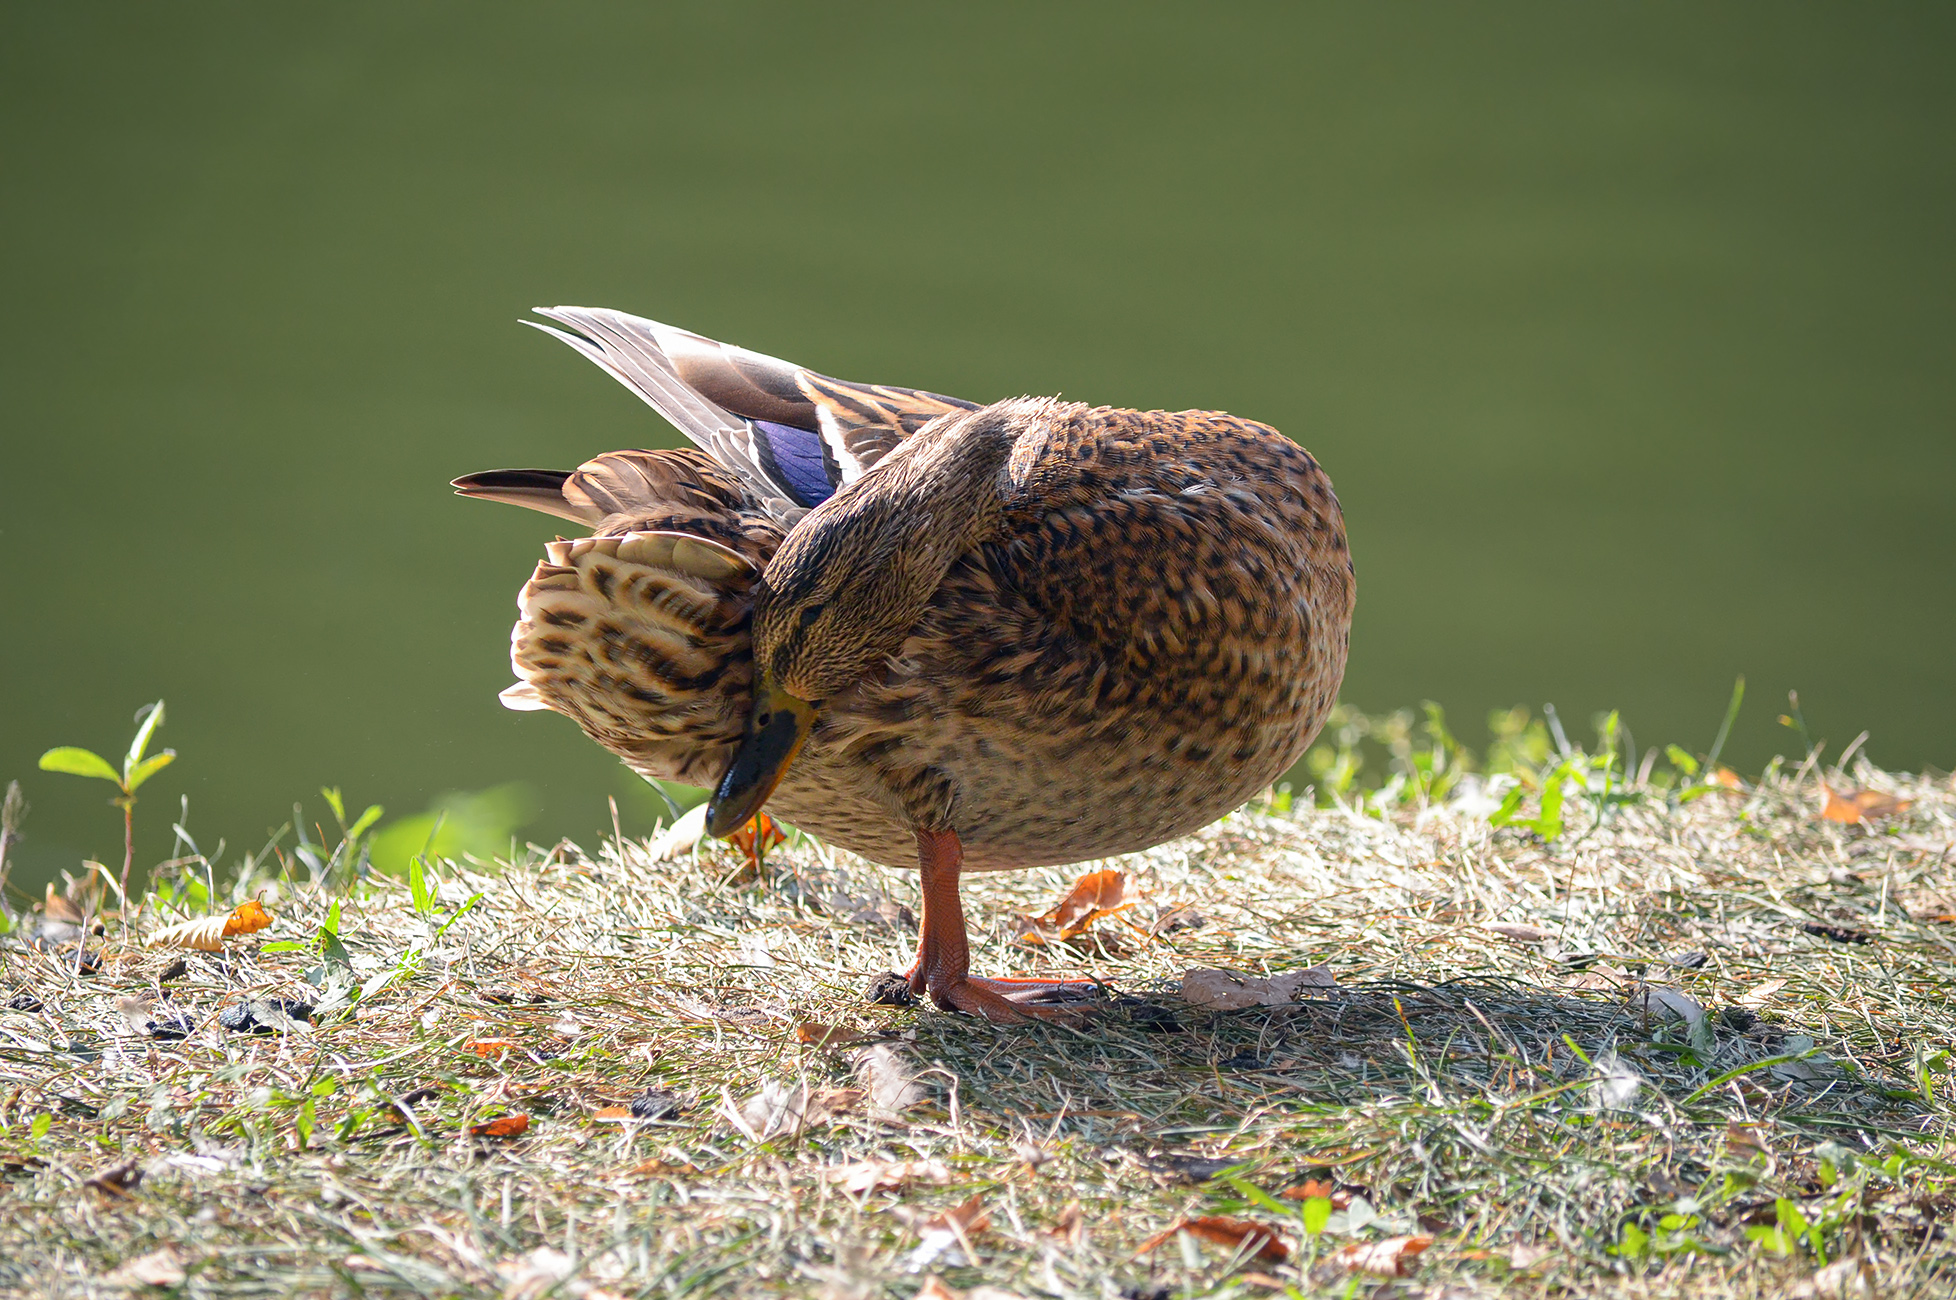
<point>810,614</point>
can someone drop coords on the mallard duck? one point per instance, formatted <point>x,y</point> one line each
<point>972,637</point>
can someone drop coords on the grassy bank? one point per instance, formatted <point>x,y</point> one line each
<point>1675,1035</point>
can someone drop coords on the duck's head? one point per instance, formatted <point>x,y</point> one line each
<point>852,579</point>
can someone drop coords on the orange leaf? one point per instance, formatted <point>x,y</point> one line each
<point>1392,1257</point>
<point>612,1114</point>
<point>1340,1198</point>
<point>756,838</point>
<point>247,917</point>
<point>508,1126</point>
<point>493,1046</point>
<point>1855,806</point>
<point>1232,1234</point>
<point>1094,897</point>
<point>816,1034</point>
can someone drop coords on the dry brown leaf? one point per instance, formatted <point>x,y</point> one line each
<point>755,838</point>
<point>1093,898</point>
<point>208,933</point>
<point>1518,931</point>
<point>1260,1240</point>
<point>247,917</point>
<point>508,1126</point>
<point>880,1175</point>
<point>1071,1226</point>
<point>493,1046</point>
<point>1392,1257</point>
<point>60,908</point>
<point>158,1268</point>
<point>612,1114</point>
<point>117,1180</point>
<point>815,1034</point>
<point>1856,806</point>
<point>1757,997</point>
<point>1340,1197</point>
<point>1222,990</point>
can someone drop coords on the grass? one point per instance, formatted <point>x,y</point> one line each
<point>1527,1097</point>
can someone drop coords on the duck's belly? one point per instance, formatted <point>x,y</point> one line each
<point>1043,740</point>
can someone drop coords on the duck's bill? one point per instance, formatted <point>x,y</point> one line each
<point>775,732</point>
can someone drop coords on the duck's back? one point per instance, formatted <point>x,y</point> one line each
<point>1155,632</point>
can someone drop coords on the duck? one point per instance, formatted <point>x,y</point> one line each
<point>941,634</point>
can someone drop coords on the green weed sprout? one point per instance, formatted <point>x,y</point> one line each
<point>136,769</point>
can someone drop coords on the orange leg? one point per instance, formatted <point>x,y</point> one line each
<point>943,965</point>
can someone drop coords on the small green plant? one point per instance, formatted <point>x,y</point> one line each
<point>136,769</point>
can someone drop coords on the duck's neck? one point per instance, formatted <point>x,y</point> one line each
<point>873,555</point>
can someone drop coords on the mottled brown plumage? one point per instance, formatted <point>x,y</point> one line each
<point>1015,635</point>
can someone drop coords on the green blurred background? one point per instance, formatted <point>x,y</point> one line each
<point>1624,330</point>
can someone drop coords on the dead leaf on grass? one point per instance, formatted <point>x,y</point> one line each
<point>813,1033</point>
<point>1518,931</point>
<point>1852,807</point>
<point>208,933</point>
<point>1223,990</point>
<point>1758,997</point>
<point>508,1126</point>
<point>1392,1257</point>
<point>940,1232</point>
<point>1258,1240</point>
<point>1315,1188</point>
<point>1093,898</point>
<point>755,838</point>
<point>117,1180</point>
<point>881,1175</point>
<point>158,1268</point>
<point>493,1046</point>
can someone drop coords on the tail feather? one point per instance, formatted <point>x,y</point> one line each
<point>534,489</point>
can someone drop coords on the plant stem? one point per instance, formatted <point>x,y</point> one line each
<point>128,854</point>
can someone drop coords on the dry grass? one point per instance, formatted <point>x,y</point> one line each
<point>1518,1099</point>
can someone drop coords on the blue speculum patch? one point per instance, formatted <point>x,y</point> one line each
<point>798,462</point>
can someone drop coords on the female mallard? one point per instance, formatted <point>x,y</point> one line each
<point>1013,635</point>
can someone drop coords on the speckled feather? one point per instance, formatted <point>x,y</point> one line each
<point>1141,621</point>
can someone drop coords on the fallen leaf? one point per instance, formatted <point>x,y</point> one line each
<point>117,1180</point>
<point>1259,1240</point>
<point>756,838</point>
<point>493,1046</point>
<point>1856,806</point>
<point>880,1175</point>
<point>815,1034</point>
<point>1392,1257</point>
<point>508,1126</point>
<point>1222,990</point>
<point>247,917</point>
<point>1838,933</point>
<point>1524,1255</point>
<point>1516,930</point>
<point>1340,1197</point>
<point>1093,898</point>
<point>158,1268</point>
<point>61,908</point>
<point>955,1226</point>
<point>889,1078</point>
<point>208,933</point>
<point>1758,997</point>
<point>1070,1227</point>
<point>612,1114</point>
